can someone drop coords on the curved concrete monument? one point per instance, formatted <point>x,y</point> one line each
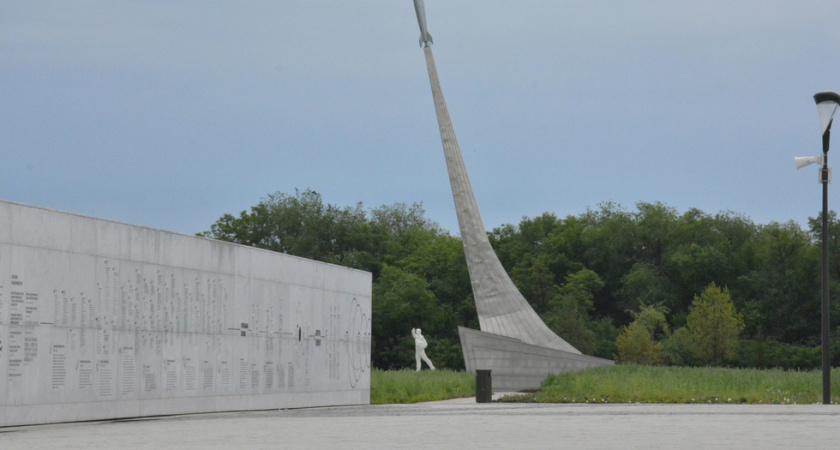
<point>502,310</point>
<point>501,307</point>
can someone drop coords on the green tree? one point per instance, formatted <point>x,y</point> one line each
<point>638,342</point>
<point>537,250</point>
<point>302,225</point>
<point>654,226</point>
<point>535,281</point>
<point>678,349</point>
<point>400,218</point>
<point>402,301</point>
<point>439,259</point>
<point>570,308</point>
<point>644,284</point>
<point>652,317</point>
<point>714,325</point>
<point>781,289</point>
<point>607,246</point>
<point>635,345</point>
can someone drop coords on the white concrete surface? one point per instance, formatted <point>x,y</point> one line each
<point>100,319</point>
<point>459,424</point>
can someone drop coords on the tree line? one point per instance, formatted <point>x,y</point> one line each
<point>643,285</point>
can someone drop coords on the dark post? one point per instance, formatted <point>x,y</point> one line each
<point>826,348</point>
<point>827,105</point>
<point>483,386</point>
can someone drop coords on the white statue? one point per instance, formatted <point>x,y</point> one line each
<point>420,348</point>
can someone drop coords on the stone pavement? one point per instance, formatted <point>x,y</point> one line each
<point>457,424</point>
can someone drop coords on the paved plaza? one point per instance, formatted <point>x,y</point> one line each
<point>457,424</point>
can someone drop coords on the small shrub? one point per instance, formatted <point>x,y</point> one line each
<point>715,325</point>
<point>636,346</point>
<point>678,349</point>
<point>769,354</point>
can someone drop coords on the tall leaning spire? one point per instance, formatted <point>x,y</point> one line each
<point>501,308</point>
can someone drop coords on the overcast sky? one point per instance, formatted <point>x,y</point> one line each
<point>169,114</point>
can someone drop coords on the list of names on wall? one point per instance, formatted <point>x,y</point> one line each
<point>137,330</point>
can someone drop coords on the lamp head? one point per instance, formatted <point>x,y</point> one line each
<point>827,103</point>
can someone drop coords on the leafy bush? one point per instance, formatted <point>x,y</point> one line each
<point>636,346</point>
<point>679,349</point>
<point>771,354</point>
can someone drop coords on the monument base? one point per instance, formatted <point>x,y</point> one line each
<point>516,365</point>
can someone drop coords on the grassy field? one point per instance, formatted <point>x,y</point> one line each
<point>629,383</point>
<point>620,384</point>
<point>408,386</point>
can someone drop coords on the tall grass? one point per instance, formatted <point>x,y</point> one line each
<point>408,386</point>
<point>630,383</point>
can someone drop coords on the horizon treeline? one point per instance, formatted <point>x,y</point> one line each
<point>588,275</point>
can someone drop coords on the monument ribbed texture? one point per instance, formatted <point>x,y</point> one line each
<point>501,307</point>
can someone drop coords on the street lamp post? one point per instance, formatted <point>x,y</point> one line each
<point>827,103</point>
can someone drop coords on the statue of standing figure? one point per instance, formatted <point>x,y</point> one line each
<point>420,348</point>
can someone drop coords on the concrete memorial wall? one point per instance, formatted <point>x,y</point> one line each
<point>102,320</point>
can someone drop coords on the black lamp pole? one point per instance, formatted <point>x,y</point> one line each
<point>827,104</point>
<point>826,349</point>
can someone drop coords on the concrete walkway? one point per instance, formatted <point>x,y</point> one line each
<point>458,424</point>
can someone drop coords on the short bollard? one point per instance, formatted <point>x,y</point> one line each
<point>483,386</point>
